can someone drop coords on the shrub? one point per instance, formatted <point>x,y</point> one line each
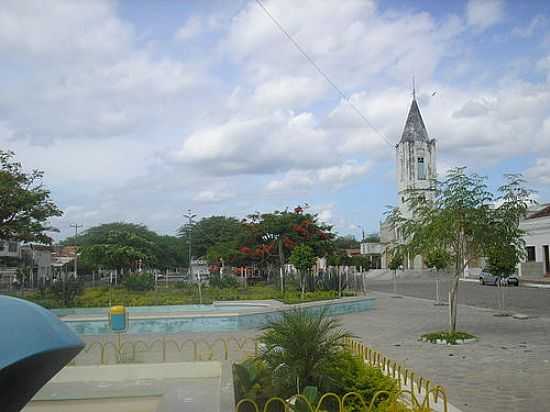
<point>445,336</point>
<point>140,282</point>
<point>350,374</point>
<point>66,292</point>
<point>224,282</point>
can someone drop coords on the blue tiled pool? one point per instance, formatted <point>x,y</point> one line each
<point>214,321</point>
<point>159,309</point>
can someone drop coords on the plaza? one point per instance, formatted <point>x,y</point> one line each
<point>507,369</point>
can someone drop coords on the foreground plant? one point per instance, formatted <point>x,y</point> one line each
<point>304,353</point>
<point>301,347</point>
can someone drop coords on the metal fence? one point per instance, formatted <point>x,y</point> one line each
<point>351,401</point>
<point>434,397</point>
<point>164,349</point>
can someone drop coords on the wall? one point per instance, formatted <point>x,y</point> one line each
<point>538,235</point>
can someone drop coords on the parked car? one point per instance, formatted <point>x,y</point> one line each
<point>486,278</point>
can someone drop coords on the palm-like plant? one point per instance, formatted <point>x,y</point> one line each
<point>300,347</point>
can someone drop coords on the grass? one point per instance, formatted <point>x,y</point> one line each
<point>178,295</point>
<point>445,336</point>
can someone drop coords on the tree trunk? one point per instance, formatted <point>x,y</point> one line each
<point>453,292</point>
<point>339,282</point>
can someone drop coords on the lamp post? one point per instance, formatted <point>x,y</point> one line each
<point>76,226</point>
<point>189,216</point>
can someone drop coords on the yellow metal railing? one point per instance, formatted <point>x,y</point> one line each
<point>165,349</point>
<point>392,403</point>
<point>409,382</point>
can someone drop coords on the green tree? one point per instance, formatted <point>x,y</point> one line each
<point>346,242</point>
<point>25,205</point>
<point>396,262</point>
<point>121,245</point>
<point>463,221</point>
<point>437,258</point>
<point>271,237</point>
<point>303,259</point>
<point>211,231</point>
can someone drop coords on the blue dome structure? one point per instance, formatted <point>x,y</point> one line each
<point>34,346</point>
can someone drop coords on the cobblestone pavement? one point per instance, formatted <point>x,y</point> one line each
<point>507,370</point>
<point>518,299</point>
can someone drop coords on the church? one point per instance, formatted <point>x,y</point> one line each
<point>416,173</point>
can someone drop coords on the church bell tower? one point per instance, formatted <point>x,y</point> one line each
<point>416,157</point>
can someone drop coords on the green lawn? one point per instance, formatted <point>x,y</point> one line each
<point>99,296</point>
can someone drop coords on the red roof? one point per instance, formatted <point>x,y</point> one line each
<point>544,212</point>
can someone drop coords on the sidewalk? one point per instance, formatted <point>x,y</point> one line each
<point>508,370</point>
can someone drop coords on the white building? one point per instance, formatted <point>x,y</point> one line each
<point>10,249</point>
<point>416,174</point>
<point>537,242</point>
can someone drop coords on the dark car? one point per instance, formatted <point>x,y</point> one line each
<point>486,278</point>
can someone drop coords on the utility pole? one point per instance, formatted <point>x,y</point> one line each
<point>76,226</point>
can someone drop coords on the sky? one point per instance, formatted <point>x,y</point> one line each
<point>139,110</point>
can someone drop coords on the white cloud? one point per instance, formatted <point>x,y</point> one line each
<point>212,196</point>
<point>332,177</point>
<point>267,144</point>
<point>65,29</point>
<point>289,91</point>
<point>536,23</point>
<point>349,39</point>
<point>540,171</point>
<point>192,27</point>
<point>482,14</point>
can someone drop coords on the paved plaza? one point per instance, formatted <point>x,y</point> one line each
<point>507,370</point>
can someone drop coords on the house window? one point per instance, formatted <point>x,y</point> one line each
<point>421,168</point>
<point>12,247</point>
<point>531,255</point>
<point>2,245</point>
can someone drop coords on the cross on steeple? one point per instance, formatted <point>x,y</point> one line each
<point>414,89</point>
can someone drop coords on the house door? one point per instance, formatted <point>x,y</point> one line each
<point>546,259</point>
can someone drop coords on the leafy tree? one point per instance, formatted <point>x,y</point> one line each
<point>396,260</point>
<point>303,259</point>
<point>26,205</point>
<point>372,238</point>
<point>271,237</point>
<point>437,258</point>
<point>121,245</point>
<point>346,242</point>
<point>211,231</point>
<point>463,220</point>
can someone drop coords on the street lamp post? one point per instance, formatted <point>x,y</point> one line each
<point>76,226</point>
<point>189,216</point>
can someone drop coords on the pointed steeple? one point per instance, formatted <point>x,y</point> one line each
<point>414,130</point>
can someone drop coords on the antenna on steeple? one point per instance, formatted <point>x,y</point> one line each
<point>414,89</point>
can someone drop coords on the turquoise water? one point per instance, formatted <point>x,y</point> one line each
<point>214,323</point>
<point>158,309</point>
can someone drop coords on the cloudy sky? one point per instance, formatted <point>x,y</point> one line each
<point>138,110</point>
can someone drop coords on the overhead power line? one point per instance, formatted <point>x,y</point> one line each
<point>321,72</point>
